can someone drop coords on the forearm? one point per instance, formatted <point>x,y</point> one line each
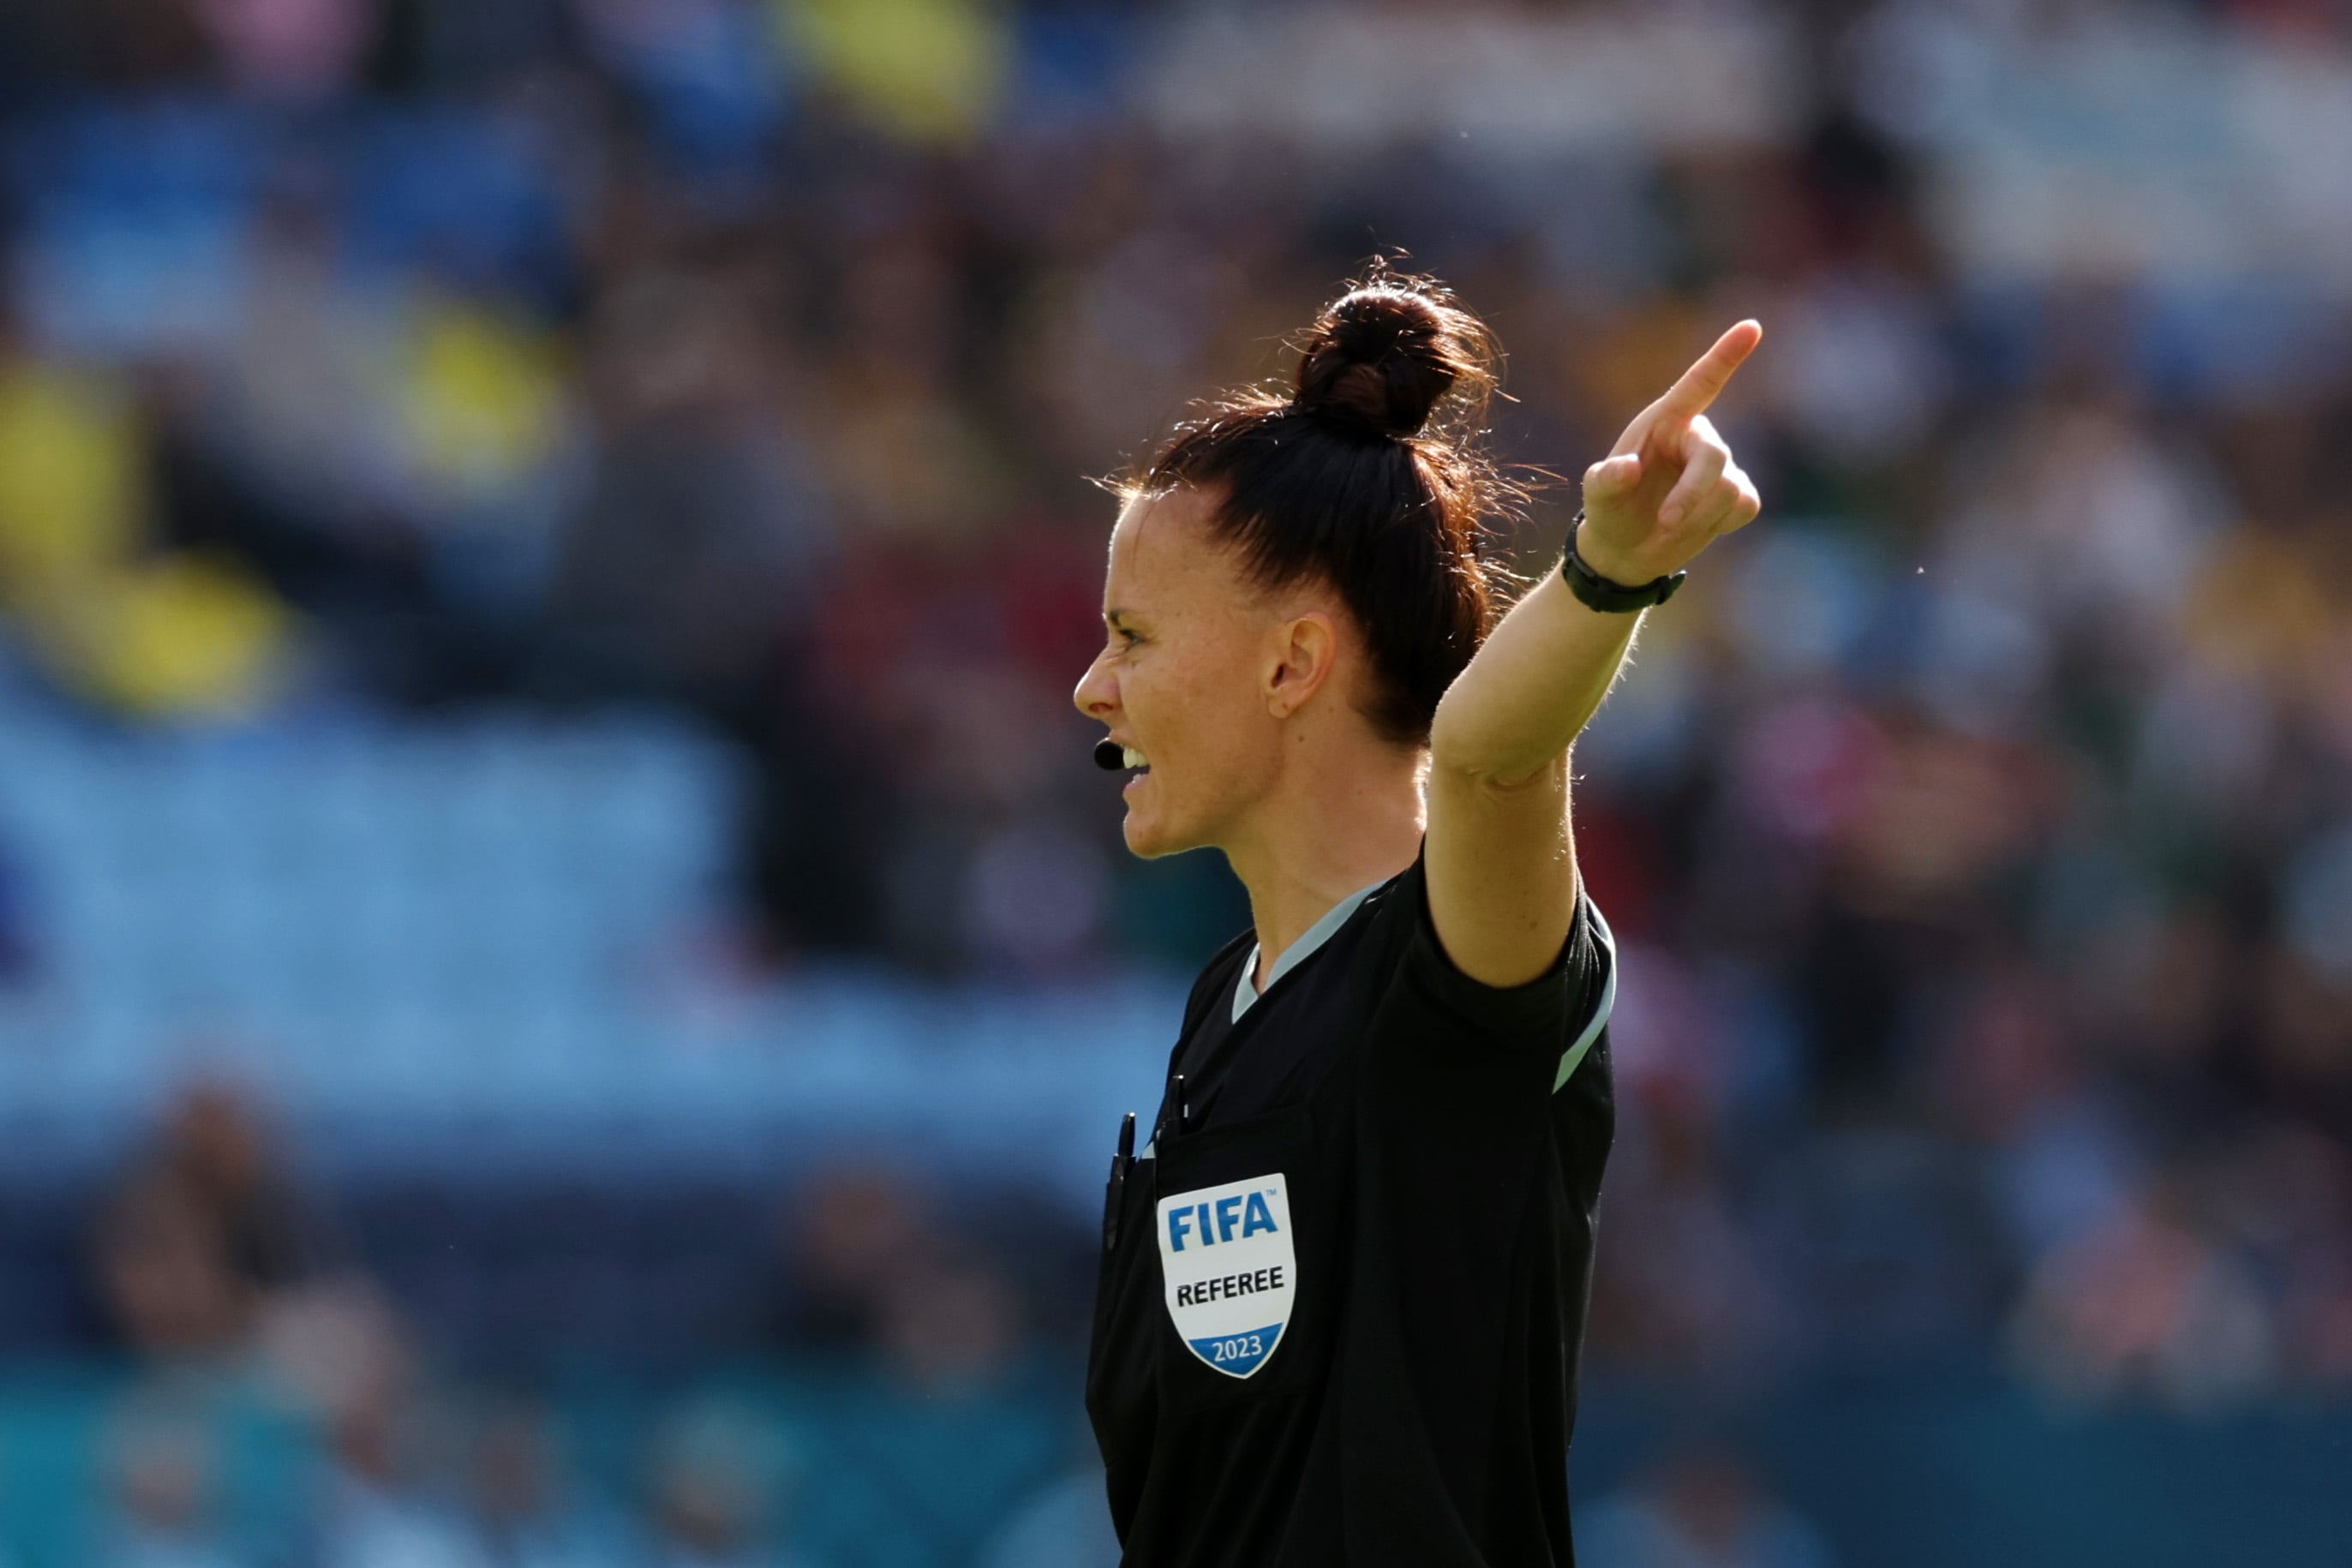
<point>1501,864</point>
<point>1530,689</point>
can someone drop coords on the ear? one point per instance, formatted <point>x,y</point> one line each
<point>1305,648</point>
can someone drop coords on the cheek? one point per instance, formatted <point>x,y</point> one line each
<point>1210,731</point>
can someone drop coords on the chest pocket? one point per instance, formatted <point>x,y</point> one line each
<point>1242,1238</point>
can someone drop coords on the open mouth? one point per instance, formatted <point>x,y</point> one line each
<point>1134,759</point>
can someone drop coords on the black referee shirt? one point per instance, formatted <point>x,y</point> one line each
<point>1338,1313</point>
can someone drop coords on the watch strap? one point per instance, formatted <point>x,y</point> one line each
<point>1603,595</point>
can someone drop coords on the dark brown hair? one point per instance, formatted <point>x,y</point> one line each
<point>1348,478</point>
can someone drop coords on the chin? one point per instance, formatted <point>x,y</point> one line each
<point>1148,839</point>
<point>1140,838</point>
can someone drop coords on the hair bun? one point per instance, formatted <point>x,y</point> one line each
<point>1382,357</point>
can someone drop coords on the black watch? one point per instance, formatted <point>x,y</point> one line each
<point>1599,593</point>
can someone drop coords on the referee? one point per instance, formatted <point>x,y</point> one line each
<point>1345,1266</point>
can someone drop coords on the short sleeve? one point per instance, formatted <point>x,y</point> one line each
<point>1564,1009</point>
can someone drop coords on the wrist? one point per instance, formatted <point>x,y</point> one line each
<point>1597,559</point>
<point>1598,586</point>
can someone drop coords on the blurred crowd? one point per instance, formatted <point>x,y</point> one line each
<point>293,1383</point>
<point>1977,826</point>
<point>243,1311</point>
<point>290,1395</point>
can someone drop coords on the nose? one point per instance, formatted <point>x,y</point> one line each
<point>1098,694</point>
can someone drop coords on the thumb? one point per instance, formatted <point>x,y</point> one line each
<point>1612,477</point>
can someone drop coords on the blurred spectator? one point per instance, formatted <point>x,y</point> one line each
<point>288,50</point>
<point>165,1481</point>
<point>868,1271</point>
<point>206,1232</point>
<point>923,69</point>
<point>717,1496</point>
<point>2148,1304</point>
<point>165,1273</point>
<point>951,1323</point>
<point>217,1149</point>
<point>699,539</point>
<point>381,1503</point>
<point>150,632</point>
<point>1699,1508</point>
<point>856,1235</point>
<point>525,1514</point>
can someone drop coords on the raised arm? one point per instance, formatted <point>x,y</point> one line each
<point>1501,859</point>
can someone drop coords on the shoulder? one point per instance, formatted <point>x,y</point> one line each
<point>1568,1005</point>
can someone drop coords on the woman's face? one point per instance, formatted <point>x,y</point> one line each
<point>1181,682</point>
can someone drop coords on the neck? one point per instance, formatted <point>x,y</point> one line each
<point>1337,825</point>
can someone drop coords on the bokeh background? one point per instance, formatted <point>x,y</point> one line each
<point>565,978</point>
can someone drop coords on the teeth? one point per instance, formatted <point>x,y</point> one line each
<point>1134,758</point>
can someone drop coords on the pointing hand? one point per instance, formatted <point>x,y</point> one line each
<point>1669,487</point>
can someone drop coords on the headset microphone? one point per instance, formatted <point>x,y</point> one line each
<point>1109,755</point>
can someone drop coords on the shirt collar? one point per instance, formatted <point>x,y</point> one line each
<point>1298,951</point>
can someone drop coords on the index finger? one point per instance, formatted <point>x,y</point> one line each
<point>1705,380</point>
